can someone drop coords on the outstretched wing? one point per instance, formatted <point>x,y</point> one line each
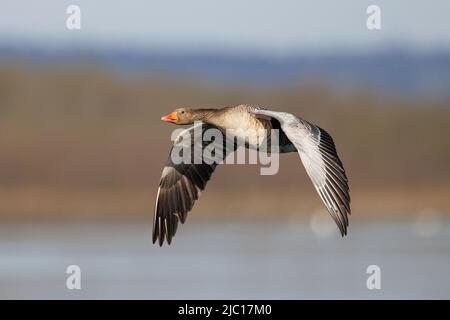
<point>319,157</point>
<point>182,182</point>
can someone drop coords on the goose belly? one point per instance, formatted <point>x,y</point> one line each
<point>252,135</point>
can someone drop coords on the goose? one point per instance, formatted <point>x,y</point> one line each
<point>181,183</point>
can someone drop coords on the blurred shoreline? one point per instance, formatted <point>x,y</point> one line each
<point>84,144</point>
<point>65,205</point>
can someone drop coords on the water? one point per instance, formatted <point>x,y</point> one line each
<point>228,260</point>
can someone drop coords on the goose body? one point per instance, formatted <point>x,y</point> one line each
<point>239,118</point>
<point>181,184</point>
<point>240,122</point>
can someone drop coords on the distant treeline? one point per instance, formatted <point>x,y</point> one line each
<point>389,70</point>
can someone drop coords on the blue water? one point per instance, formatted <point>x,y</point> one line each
<point>251,260</point>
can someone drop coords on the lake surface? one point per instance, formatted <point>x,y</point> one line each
<point>225,260</point>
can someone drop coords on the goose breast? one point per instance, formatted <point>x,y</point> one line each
<point>244,125</point>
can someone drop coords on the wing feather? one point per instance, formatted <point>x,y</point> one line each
<point>180,186</point>
<point>319,157</point>
<point>321,161</point>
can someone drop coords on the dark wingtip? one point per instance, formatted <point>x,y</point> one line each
<point>169,239</point>
<point>161,241</point>
<point>154,235</point>
<point>344,231</point>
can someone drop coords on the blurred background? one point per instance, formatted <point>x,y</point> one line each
<point>82,148</point>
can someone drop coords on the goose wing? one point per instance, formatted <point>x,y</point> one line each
<point>182,182</point>
<point>319,157</point>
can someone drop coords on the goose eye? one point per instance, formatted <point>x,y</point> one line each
<point>182,112</point>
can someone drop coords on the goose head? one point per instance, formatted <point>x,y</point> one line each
<point>180,116</point>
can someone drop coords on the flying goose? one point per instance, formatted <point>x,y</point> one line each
<point>181,183</point>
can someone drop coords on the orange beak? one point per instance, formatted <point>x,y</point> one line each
<point>171,117</point>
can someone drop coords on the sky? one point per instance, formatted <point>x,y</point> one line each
<point>275,27</point>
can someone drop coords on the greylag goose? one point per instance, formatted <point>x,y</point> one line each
<point>181,183</point>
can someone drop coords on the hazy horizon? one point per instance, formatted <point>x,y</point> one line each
<point>252,26</point>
